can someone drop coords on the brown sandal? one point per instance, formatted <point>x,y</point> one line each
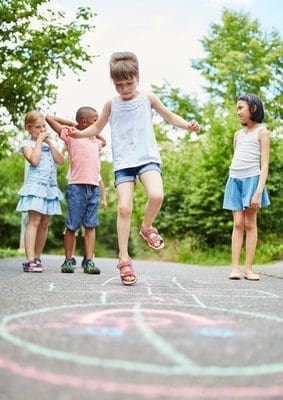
<point>152,237</point>
<point>126,269</point>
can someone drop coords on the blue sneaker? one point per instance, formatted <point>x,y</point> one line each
<point>90,268</point>
<point>74,261</point>
<point>67,266</point>
<point>83,262</point>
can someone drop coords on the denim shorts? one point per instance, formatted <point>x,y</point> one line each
<point>130,174</point>
<point>239,192</point>
<point>82,206</point>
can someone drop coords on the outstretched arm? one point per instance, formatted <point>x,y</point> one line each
<point>171,117</point>
<point>96,128</point>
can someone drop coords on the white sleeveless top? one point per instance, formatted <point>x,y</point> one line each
<point>132,135</point>
<point>246,159</point>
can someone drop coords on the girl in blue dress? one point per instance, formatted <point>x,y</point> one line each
<point>40,195</point>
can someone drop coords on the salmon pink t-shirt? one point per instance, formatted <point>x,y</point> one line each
<point>84,159</point>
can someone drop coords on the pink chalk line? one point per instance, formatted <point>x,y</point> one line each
<point>143,390</point>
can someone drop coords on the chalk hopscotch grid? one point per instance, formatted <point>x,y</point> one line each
<point>155,293</point>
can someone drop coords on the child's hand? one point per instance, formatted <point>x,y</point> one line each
<point>42,136</point>
<point>255,202</point>
<point>73,132</point>
<point>193,125</point>
<point>103,203</point>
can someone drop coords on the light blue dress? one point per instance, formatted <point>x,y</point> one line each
<point>40,191</point>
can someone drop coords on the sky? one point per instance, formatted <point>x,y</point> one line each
<point>165,35</point>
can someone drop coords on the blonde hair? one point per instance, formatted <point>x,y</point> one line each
<point>31,117</point>
<point>124,65</point>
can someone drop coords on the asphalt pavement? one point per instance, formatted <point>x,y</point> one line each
<point>182,332</point>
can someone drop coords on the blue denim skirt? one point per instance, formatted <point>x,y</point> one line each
<point>239,192</point>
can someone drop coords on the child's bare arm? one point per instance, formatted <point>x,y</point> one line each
<point>57,123</point>
<point>96,128</point>
<point>64,121</point>
<point>103,194</point>
<point>171,117</point>
<point>57,155</point>
<point>32,155</point>
<point>101,138</point>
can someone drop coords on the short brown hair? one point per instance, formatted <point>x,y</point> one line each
<point>124,65</point>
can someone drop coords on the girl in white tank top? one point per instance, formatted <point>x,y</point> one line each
<point>245,190</point>
<point>135,153</point>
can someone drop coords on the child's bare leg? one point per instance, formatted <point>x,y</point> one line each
<point>89,241</point>
<point>74,246</point>
<point>69,243</point>
<point>251,241</point>
<point>125,193</point>
<point>30,234</point>
<point>41,235</point>
<point>237,242</point>
<point>152,182</point>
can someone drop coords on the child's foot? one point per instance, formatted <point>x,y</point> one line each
<point>31,266</point>
<point>250,276</point>
<point>127,273</point>
<point>152,237</point>
<point>67,267</point>
<point>83,262</point>
<point>90,268</point>
<point>38,262</point>
<point>235,274</point>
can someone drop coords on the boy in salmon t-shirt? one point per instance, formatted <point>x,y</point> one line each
<point>83,192</point>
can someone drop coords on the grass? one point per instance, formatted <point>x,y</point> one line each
<point>187,251</point>
<point>8,252</point>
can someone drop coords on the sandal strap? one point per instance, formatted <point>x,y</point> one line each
<point>130,270</point>
<point>152,235</point>
<point>149,231</point>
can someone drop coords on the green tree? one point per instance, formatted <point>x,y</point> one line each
<point>11,178</point>
<point>37,44</point>
<point>241,58</point>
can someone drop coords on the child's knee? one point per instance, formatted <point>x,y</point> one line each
<point>250,225</point>
<point>156,198</point>
<point>124,210</point>
<point>239,225</point>
<point>44,223</point>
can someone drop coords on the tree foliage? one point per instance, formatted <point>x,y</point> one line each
<point>241,58</point>
<point>37,44</point>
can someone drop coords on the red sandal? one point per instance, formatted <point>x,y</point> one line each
<point>152,237</point>
<point>126,269</point>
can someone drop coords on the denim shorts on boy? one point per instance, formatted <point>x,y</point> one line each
<point>82,206</point>
<point>239,192</point>
<point>130,174</point>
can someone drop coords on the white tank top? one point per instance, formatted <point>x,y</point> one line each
<point>132,135</point>
<point>246,159</point>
